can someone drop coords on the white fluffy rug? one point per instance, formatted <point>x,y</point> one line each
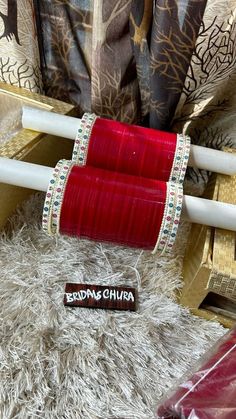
<point>59,362</point>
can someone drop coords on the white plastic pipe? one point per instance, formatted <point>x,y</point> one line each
<point>50,122</point>
<point>195,210</point>
<point>67,126</point>
<point>211,213</point>
<point>212,160</point>
<point>26,175</point>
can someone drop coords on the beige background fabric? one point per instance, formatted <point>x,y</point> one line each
<point>207,107</point>
<point>19,54</point>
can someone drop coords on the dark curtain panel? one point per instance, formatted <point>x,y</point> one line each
<point>65,40</point>
<point>87,57</point>
<point>168,64</point>
<point>163,34</point>
<point>115,90</point>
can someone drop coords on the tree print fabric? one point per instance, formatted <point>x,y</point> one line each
<point>166,64</point>
<point>186,66</point>
<point>19,54</point>
<point>207,106</point>
<point>65,40</point>
<point>163,34</point>
<point>87,57</point>
<point>115,90</point>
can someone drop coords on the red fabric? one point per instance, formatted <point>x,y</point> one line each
<point>112,207</point>
<point>131,149</point>
<point>211,392</point>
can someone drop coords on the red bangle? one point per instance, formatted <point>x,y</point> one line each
<point>131,149</point>
<point>118,208</point>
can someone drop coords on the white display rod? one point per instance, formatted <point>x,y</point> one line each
<point>27,175</point>
<point>195,210</point>
<point>67,127</point>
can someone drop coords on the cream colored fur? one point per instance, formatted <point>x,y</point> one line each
<point>59,362</point>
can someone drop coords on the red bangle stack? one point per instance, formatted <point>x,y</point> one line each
<point>113,207</point>
<point>131,149</point>
<point>122,186</point>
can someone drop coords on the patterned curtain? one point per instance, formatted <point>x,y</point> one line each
<point>210,79</point>
<point>115,90</point>
<point>163,34</point>
<point>87,57</point>
<point>186,64</point>
<point>168,64</point>
<point>65,40</point>
<point>19,54</point>
<point>207,106</point>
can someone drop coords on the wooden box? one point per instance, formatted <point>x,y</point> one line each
<point>22,144</point>
<point>209,270</point>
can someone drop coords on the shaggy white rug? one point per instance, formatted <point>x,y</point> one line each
<point>59,362</point>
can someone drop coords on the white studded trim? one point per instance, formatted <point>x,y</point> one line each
<point>180,161</point>
<point>171,218</point>
<point>47,209</point>
<point>54,197</point>
<point>80,150</point>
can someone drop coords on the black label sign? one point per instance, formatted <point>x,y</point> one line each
<point>98,296</point>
